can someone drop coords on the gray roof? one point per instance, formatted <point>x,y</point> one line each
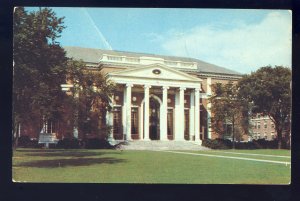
<point>92,55</point>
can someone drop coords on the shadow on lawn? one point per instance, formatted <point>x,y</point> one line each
<point>65,153</point>
<point>69,162</point>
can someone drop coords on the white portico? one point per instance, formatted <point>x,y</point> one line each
<point>159,103</point>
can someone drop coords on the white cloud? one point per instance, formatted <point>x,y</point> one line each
<point>243,48</point>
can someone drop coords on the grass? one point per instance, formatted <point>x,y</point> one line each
<point>114,166</point>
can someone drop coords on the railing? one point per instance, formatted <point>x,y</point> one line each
<point>145,60</point>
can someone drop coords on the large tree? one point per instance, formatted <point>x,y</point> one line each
<point>269,88</point>
<point>92,94</point>
<point>39,67</point>
<point>230,112</point>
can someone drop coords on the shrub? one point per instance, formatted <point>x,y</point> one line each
<point>68,143</point>
<point>26,142</point>
<point>217,143</point>
<point>95,143</point>
<point>255,144</point>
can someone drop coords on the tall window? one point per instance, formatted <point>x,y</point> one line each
<point>134,121</point>
<point>186,124</point>
<point>170,122</point>
<point>117,121</point>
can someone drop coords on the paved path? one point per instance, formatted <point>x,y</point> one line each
<point>229,157</point>
<point>163,145</point>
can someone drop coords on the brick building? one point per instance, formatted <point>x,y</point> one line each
<point>158,97</point>
<point>262,128</point>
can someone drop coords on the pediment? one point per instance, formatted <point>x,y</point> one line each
<point>155,71</point>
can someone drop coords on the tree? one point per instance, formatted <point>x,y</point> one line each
<point>269,90</point>
<point>39,67</point>
<point>230,113</point>
<point>93,94</point>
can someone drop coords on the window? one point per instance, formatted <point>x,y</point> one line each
<point>170,122</point>
<point>265,125</point>
<point>134,121</point>
<point>186,124</point>
<point>258,126</point>
<point>255,136</point>
<point>272,135</point>
<point>117,124</point>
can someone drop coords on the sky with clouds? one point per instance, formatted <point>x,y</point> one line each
<point>241,40</point>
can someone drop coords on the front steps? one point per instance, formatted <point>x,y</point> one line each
<point>163,145</point>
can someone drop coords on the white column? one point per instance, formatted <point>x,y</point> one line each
<point>110,122</point>
<point>128,111</point>
<point>46,126</point>
<point>75,127</point>
<point>209,120</point>
<point>176,122</point>
<point>192,115</point>
<point>19,132</point>
<point>146,112</point>
<point>197,116</point>
<point>208,108</point>
<point>181,112</point>
<point>208,84</point>
<point>163,114</point>
<point>124,113</point>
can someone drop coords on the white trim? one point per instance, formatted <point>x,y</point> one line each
<point>154,82</point>
<point>125,72</point>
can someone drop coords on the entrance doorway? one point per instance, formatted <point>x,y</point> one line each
<point>154,131</point>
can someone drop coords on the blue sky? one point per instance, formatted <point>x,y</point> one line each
<point>241,40</point>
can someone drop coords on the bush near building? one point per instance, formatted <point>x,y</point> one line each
<point>255,144</point>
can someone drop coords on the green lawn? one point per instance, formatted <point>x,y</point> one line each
<point>114,166</point>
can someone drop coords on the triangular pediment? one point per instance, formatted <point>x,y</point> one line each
<point>155,71</point>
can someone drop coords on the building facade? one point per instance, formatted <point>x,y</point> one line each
<point>262,127</point>
<point>158,97</point>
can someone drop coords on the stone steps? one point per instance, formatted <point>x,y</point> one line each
<point>163,145</point>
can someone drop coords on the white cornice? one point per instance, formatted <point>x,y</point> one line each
<point>126,73</point>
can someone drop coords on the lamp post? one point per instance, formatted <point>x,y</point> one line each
<point>66,88</point>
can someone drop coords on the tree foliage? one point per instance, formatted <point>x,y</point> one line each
<point>269,88</point>
<point>39,66</point>
<point>92,93</point>
<point>230,113</point>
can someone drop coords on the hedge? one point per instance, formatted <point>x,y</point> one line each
<point>255,144</point>
<point>96,143</point>
<point>26,142</point>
